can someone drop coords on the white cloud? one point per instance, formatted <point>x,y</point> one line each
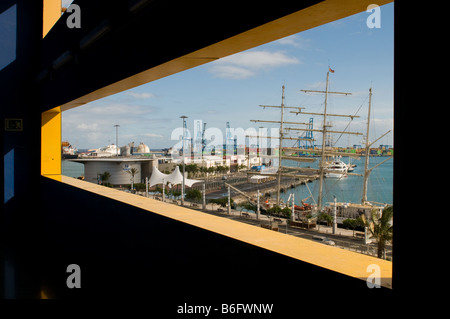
<point>152,135</point>
<point>87,127</point>
<point>295,41</point>
<point>317,85</point>
<point>231,72</point>
<point>114,109</point>
<point>142,95</point>
<point>246,64</point>
<point>93,125</point>
<point>259,59</point>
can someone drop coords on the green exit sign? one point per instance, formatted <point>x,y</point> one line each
<point>13,125</point>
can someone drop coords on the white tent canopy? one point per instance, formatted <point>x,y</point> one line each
<point>157,177</point>
<point>173,178</point>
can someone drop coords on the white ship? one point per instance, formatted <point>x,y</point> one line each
<point>106,151</point>
<point>68,151</point>
<point>336,169</point>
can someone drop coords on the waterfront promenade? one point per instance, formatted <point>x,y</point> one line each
<point>296,244</point>
<point>344,238</point>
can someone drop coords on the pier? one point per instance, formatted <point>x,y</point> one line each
<point>216,187</point>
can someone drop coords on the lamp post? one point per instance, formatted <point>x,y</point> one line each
<point>257,204</point>
<point>117,139</point>
<point>260,138</point>
<point>184,167</point>
<point>334,216</point>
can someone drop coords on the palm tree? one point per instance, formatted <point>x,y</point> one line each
<point>193,169</point>
<point>211,169</point>
<point>203,170</point>
<point>380,228</point>
<point>105,176</point>
<point>133,171</point>
<point>324,217</point>
<point>241,167</point>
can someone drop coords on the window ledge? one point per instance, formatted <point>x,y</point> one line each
<point>336,259</point>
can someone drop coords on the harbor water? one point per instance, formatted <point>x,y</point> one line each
<point>72,169</point>
<point>348,189</point>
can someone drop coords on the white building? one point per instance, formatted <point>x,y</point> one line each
<point>117,168</point>
<point>217,160</point>
<point>142,149</point>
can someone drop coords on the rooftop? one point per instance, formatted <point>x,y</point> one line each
<point>113,159</point>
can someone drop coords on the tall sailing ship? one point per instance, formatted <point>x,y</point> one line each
<point>334,168</point>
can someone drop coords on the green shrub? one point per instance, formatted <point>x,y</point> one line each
<point>223,201</point>
<point>193,194</point>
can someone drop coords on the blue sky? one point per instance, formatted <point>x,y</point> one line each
<point>230,89</point>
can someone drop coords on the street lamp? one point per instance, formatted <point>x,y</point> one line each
<point>184,166</point>
<point>260,141</point>
<point>117,139</point>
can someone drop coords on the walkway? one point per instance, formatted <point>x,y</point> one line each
<point>344,238</point>
<point>339,260</point>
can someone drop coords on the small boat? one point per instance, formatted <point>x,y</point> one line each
<point>304,209</point>
<point>350,165</point>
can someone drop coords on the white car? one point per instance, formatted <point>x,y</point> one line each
<point>324,240</point>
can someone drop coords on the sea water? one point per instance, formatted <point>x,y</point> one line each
<point>348,189</point>
<point>72,169</point>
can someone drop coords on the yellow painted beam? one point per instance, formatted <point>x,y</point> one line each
<point>332,258</point>
<point>51,12</point>
<point>51,143</point>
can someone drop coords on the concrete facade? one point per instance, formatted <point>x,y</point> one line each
<point>118,168</point>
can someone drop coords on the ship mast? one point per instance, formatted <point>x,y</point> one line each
<point>366,160</point>
<point>322,169</point>
<point>367,171</point>
<point>324,133</point>
<point>280,151</point>
<point>322,158</point>
<point>280,172</point>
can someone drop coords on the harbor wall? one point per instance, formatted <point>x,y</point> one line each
<point>118,172</point>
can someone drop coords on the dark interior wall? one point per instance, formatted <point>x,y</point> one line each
<point>20,98</point>
<point>130,42</point>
